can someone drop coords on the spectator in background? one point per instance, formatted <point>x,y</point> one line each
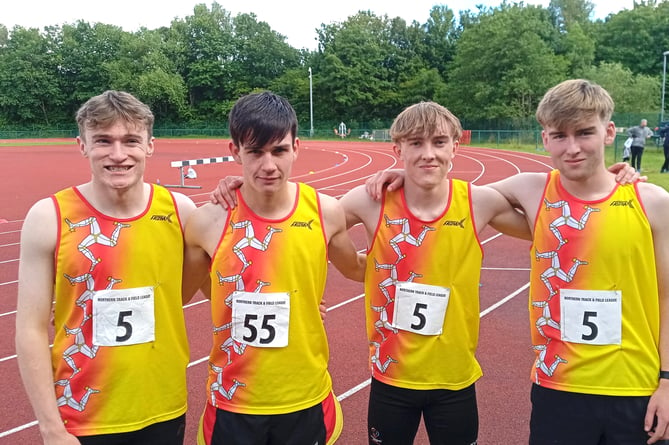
<point>639,134</point>
<point>664,133</point>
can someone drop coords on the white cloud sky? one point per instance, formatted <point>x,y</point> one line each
<point>297,20</point>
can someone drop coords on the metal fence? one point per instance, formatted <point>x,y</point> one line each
<point>490,132</point>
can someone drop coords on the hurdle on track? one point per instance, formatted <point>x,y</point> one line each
<point>182,164</point>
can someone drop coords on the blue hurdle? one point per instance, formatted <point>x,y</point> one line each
<point>182,164</point>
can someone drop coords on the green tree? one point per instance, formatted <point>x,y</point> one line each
<point>440,39</point>
<point>567,13</point>
<point>505,63</point>
<point>635,38</point>
<point>631,92</point>
<point>203,44</point>
<point>30,87</point>
<point>578,48</point>
<point>260,54</point>
<point>84,50</point>
<point>361,65</point>
<point>144,69</point>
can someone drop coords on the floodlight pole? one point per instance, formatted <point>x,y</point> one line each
<point>664,78</point>
<point>311,104</point>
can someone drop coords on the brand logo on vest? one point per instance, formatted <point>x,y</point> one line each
<point>167,218</point>
<point>629,204</point>
<point>302,224</point>
<point>460,223</point>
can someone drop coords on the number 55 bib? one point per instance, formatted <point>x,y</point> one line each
<point>261,319</point>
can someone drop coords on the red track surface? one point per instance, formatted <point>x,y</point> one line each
<point>34,172</point>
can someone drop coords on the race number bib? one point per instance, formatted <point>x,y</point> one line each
<point>591,317</point>
<point>261,320</point>
<point>420,308</point>
<point>123,317</point>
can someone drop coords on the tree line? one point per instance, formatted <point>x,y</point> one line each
<point>490,66</point>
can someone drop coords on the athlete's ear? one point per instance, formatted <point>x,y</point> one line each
<point>296,148</point>
<point>82,146</point>
<point>234,151</point>
<point>610,133</point>
<point>150,147</point>
<point>397,150</point>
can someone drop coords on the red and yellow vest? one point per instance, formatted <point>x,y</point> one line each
<point>114,389</point>
<point>287,257</point>
<point>598,258</point>
<point>445,253</point>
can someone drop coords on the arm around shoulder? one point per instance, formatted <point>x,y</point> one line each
<point>491,207</point>
<point>341,250</point>
<point>360,207</point>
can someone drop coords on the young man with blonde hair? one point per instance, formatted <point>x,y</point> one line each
<point>97,256</point>
<point>600,262</point>
<point>421,284</point>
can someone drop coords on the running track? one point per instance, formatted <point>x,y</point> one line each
<point>34,172</point>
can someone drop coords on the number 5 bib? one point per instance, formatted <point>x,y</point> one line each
<point>420,308</point>
<point>591,317</point>
<point>123,317</point>
<point>261,320</point>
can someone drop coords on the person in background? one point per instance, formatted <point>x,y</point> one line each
<point>664,133</point>
<point>106,256</point>
<point>639,134</point>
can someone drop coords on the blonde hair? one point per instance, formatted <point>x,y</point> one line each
<point>112,106</point>
<point>573,101</point>
<point>424,119</point>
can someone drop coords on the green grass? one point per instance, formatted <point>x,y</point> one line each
<point>651,162</point>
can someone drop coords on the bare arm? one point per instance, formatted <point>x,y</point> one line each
<point>35,297</point>
<point>341,250</point>
<point>360,207</point>
<point>490,207</point>
<point>656,202</point>
<point>523,191</point>
<point>196,259</point>
<point>186,208</point>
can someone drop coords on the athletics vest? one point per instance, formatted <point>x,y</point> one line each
<point>424,260</point>
<point>594,306</point>
<point>120,281</point>
<point>270,350</point>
